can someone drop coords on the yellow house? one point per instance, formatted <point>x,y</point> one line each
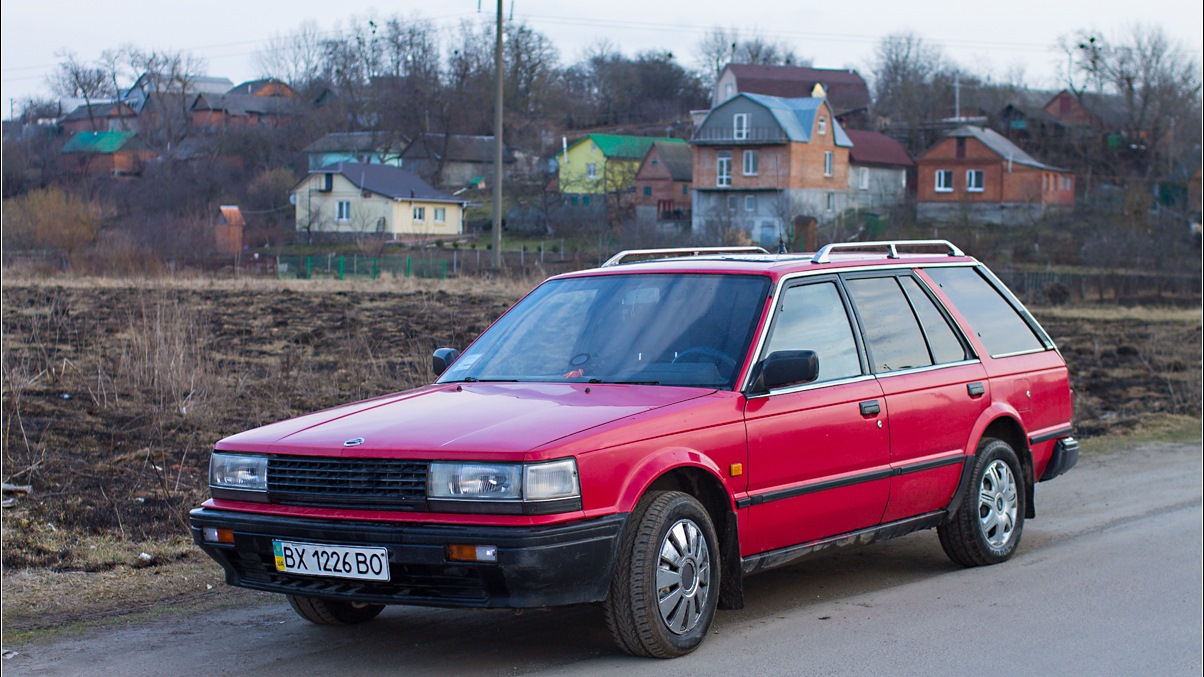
<point>353,200</point>
<point>604,163</point>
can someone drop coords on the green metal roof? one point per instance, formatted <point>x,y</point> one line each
<point>625,147</point>
<point>103,143</point>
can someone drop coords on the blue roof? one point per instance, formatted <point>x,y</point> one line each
<point>797,116</point>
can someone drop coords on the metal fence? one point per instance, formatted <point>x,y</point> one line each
<point>340,267</point>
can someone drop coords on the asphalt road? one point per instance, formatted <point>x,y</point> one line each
<point>1107,582</point>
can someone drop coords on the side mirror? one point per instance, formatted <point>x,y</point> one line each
<point>786,368</point>
<point>442,359</point>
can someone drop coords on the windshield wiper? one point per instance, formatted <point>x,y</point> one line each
<point>624,383</point>
<point>473,379</point>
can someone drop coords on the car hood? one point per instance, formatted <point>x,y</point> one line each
<point>470,420</point>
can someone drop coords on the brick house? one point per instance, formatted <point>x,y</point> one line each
<point>662,184</point>
<point>256,102</point>
<point>975,174</point>
<point>454,161</point>
<point>111,153</point>
<point>760,161</point>
<point>847,92</point>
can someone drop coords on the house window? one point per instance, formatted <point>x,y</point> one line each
<point>685,189</point>
<point>1067,183</point>
<point>827,163</point>
<point>750,203</point>
<point>863,178</point>
<point>830,202</point>
<point>591,171</point>
<point>974,180</point>
<point>440,214</point>
<point>419,213</point>
<point>823,125</point>
<point>729,90</point>
<point>752,159</point>
<point>723,169</point>
<point>740,126</point>
<point>585,200</point>
<point>944,180</point>
<point>573,200</point>
<point>344,210</point>
<point>647,191</point>
<point>731,203</point>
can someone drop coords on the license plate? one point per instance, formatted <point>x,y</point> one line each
<point>340,561</point>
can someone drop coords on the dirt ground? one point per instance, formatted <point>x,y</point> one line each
<point>114,392</point>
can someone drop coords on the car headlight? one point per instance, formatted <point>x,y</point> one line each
<point>240,472</point>
<point>518,488</point>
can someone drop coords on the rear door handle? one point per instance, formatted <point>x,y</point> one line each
<point>975,389</point>
<point>870,408</point>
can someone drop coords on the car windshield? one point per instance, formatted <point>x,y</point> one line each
<point>655,329</point>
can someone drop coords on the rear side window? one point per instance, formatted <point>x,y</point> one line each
<point>998,324</point>
<point>891,330</point>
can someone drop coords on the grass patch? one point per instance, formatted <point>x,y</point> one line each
<point>1150,429</point>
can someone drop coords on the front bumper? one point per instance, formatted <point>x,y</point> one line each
<point>536,566</point>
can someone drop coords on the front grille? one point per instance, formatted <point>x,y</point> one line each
<point>352,483</point>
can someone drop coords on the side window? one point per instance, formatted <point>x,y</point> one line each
<point>942,340</point>
<point>891,330</point>
<point>996,322</point>
<point>812,317</point>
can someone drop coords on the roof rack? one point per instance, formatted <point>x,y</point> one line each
<point>681,251</point>
<point>892,247</point>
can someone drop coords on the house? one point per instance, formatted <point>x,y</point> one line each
<point>662,183</point>
<point>847,92</point>
<point>878,169</point>
<point>115,153</point>
<point>456,160</point>
<point>100,116</point>
<point>256,102</point>
<point>761,160</point>
<point>376,148</point>
<point>975,174</point>
<point>353,200</point>
<point>598,164</point>
<point>228,231</point>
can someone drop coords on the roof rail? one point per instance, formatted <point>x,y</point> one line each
<point>681,251</point>
<point>892,247</point>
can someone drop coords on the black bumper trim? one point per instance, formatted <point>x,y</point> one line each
<point>1065,456</point>
<point>1045,437</point>
<point>536,566</point>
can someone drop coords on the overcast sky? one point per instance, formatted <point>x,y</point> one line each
<point>989,38</point>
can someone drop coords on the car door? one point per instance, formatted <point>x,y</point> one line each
<point>818,452</point>
<point>934,386</point>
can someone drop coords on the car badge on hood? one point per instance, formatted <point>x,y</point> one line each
<point>354,442</point>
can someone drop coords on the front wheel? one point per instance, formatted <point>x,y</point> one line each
<point>333,612</point>
<point>987,526</point>
<point>666,583</point>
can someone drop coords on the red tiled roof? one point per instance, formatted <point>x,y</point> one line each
<point>874,148</point>
<point>846,89</point>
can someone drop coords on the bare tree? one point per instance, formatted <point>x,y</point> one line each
<point>295,58</point>
<point>167,80</point>
<point>74,78</point>
<point>908,73</point>
<point>721,46</point>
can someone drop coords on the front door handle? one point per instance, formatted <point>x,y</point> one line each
<point>870,408</point>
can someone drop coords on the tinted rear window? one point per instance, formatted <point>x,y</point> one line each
<point>997,323</point>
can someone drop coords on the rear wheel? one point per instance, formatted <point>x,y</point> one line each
<point>666,584</point>
<point>333,612</point>
<point>990,519</point>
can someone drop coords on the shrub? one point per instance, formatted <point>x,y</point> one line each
<point>50,219</point>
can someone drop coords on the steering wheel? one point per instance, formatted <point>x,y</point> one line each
<point>720,358</point>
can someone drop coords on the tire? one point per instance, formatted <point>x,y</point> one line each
<point>989,520</point>
<point>333,612</point>
<point>665,587</point>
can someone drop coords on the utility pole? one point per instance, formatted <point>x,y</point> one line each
<point>497,154</point>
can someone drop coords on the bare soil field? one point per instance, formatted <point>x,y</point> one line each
<point>114,392</point>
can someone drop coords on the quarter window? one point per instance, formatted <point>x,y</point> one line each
<point>943,344</point>
<point>974,180</point>
<point>998,324</point>
<point>944,180</point>
<point>723,169</point>
<point>752,161</point>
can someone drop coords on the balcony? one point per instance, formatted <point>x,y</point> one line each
<point>728,136</point>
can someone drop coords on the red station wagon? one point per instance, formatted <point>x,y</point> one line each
<point>646,434</point>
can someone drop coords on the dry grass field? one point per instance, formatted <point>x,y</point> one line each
<point>114,392</point>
